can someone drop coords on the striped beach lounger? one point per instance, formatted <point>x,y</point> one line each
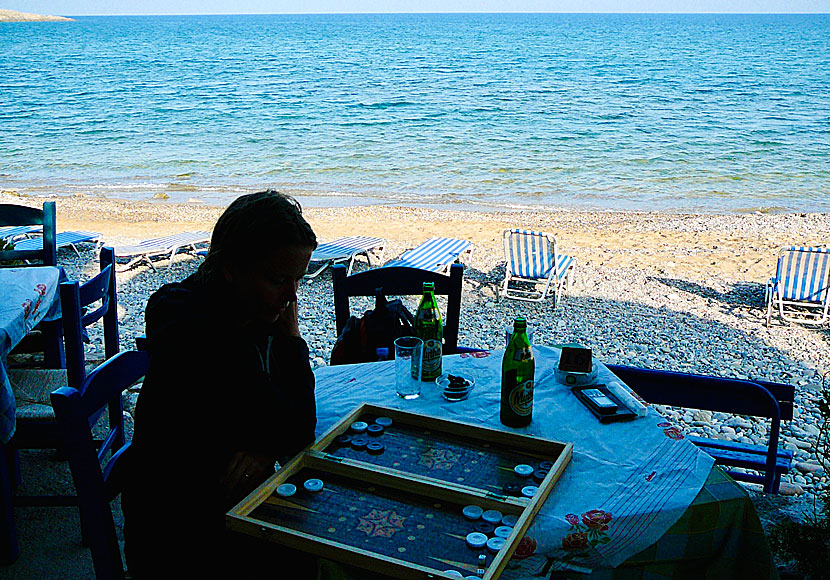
<point>165,246</point>
<point>62,240</point>
<point>11,233</point>
<point>533,258</point>
<point>343,249</point>
<point>800,289</point>
<point>435,255</point>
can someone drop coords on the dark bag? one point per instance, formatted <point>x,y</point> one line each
<point>376,329</point>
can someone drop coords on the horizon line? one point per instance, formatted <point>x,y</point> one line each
<point>450,12</point>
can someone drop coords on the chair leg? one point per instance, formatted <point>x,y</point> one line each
<point>8,534</point>
<point>11,462</point>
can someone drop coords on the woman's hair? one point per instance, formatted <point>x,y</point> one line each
<point>253,227</point>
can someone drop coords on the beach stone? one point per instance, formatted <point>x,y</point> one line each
<point>790,489</point>
<point>810,468</point>
<point>811,430</point>
<point>702,415</point>
<point>798,443</point>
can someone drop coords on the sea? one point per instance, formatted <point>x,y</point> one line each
<point>704,113</point>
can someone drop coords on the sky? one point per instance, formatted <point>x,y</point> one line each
<point>111,7</point>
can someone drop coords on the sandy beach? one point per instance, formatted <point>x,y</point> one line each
<point>734,247</point>
<point>675,291</point>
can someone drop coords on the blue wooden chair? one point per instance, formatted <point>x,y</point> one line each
<point>18,220</point>
<point>18,215</point>
<point>36,424</point>
<point>401,281</point>
<point>77,411</point>
<point>757,398</point>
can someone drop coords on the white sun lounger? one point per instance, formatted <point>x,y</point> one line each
<point>343,249</point>
<point>435,255</point>
<point>168,245</point>
<point>62,240</point>
<point>800,289</point>
<point>533,258</point>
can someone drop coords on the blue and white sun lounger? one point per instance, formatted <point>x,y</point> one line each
<point>62,240</point>
<point>533,258</point>
<point>800,289</point>
<point>343,249</point>
<point>11,233</point>
<point>168,245</point>
<point>435,255</point>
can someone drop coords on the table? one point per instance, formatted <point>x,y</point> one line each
<point>637,498</point>
<point>30,295</point>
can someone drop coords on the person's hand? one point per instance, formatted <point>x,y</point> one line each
<point>244,473</point>
<point>288,324</point>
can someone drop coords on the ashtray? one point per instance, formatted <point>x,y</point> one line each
<point>575,379</point>
<point>455,387</point>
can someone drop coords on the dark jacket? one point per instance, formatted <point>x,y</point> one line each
<point>206,396</point>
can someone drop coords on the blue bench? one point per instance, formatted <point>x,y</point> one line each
<point>754,398</point>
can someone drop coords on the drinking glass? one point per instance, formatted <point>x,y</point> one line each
<point>409,352</point>
<point>508,334</point>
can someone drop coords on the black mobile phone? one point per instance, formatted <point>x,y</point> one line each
<point>599,401</point>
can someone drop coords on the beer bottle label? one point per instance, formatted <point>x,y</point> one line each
<point>427,315</point>
<point>521,398</point>
<point>522,354</point>
<point>431,365</point>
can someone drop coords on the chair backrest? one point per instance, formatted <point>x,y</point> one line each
<point>529,254</point>
<point>76,411</point>
<point>804,274</point>
<point>400,281</point>
<point>18,215</point>
<point>757,398</point>
<point>74,299</point>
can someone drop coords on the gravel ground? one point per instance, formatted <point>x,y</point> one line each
<point>626,316</point>
<point>673,302</point>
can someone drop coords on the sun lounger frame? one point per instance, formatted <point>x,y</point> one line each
<point>558,275</point>
<point>802,280</point>
<point>147,249</point>
<point>346,249</point>
<point>435,254</point>
<point>62,240</point>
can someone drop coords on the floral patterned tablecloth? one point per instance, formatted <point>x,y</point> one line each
<point>27,296</point>
<point>627,482</point>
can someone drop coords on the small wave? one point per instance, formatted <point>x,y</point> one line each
<point>381,105</point>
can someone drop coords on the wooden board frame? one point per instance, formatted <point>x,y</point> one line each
<point>315,457</point>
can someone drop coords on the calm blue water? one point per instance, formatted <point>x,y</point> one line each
<point>674,112</point>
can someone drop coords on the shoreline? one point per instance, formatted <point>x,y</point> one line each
<point>699,246</point>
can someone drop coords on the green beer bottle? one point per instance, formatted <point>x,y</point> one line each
<point>428,327</point>
<point>517,370</point>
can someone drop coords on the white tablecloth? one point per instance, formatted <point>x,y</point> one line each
<point>626,484</point>
<point>27,296</point>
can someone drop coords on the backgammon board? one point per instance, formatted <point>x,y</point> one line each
<point>407,495</point>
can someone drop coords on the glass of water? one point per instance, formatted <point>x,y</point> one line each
<point>409,352</point>
<point>508,334</point>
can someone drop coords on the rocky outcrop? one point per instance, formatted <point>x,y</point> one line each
<point>15,16</point>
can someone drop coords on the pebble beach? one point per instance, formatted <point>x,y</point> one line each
<point>668,291</point>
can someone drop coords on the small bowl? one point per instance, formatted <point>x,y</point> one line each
<point>455,387</point>
<point>573,379</point>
